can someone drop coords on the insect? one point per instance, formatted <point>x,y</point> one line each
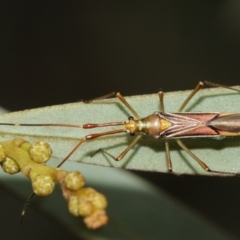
<point>164,125</point>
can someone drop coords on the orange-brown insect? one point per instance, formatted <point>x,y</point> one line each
<point>163,125</point>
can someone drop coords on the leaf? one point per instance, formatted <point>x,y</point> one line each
<point>135,207</point>
<point>148,154</point>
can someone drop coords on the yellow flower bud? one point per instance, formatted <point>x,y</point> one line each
<point>43,185</point>
<point>10,166</point>
<point>74,181</point>
<point>40,152</point>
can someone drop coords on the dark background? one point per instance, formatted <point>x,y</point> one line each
<point>63,51</point>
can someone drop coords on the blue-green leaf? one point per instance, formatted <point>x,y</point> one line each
<point>148,154</point>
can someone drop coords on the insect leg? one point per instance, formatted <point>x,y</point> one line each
<point>112,94</point>
<point>200,162</point>
<point>89,137</point>
<point>121,155</point>
<point>195,90</point>
<point>160,94</point>
<point>169,162</point>
<point>199,86</point>
<point>124,101</point>
<point>220,85</point>
<point>72,151</point>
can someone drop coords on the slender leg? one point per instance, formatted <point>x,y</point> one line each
<point>121,155</point>
<point>199,86</point>
<point>196,89</point>
<point>89,137</point>
<point>220,85</point>
<point>72,151</point>
<point>160,94</point>
<point>112,94</point>
<point>124,101</point>
<point>169,162</point>
<point>200,162</point>
<point>121,98</point>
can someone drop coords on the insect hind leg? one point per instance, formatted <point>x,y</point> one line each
<point>201,85</point>
<point>220,85</point>
<point>203,165</point>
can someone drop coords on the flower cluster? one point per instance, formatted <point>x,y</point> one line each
<point>19,155</point>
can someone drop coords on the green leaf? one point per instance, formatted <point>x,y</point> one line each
<point>136,208</point>
<point>149,154</point>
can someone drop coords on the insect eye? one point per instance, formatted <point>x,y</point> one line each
<point>130,118</point>
<point>132,133</point>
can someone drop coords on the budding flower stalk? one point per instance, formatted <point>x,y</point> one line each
<point>19,155</point>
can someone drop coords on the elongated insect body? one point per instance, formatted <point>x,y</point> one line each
<point>180,125</point>
<point>169,125</point>
<point>175,125</point>
<point>160,125</point>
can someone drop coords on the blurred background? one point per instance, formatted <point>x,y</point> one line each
<point>55,52</point>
